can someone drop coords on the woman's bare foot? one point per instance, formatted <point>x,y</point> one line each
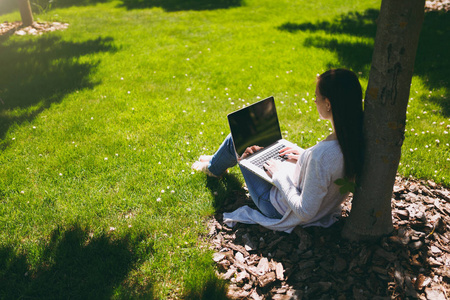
<point>202,165</point>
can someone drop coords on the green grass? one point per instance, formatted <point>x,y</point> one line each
<point>100,123</point>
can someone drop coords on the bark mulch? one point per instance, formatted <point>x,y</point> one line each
<point>38,28</point>
<point>316,263</point>
<point>437,5</point>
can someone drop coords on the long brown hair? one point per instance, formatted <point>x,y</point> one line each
<point>343,90</point>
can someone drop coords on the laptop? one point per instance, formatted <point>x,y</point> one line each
<point>257,124</point>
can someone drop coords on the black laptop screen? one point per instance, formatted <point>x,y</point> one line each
<point>256,124</point>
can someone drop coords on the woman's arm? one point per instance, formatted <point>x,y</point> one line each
<point>306,203</point>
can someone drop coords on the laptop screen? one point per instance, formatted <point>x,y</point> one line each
<point>256,124</point>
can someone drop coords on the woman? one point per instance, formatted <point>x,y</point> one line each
<point>305,192</point>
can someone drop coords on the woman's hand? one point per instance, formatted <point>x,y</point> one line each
<point>291,154</point>
<point>271,166</point>
<point>250,150</point>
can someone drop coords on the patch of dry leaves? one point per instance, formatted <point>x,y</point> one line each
<point>316,263</point>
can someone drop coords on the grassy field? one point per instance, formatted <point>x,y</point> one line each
<point>100,123</point>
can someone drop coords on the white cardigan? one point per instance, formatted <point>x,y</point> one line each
<point>305,195</point>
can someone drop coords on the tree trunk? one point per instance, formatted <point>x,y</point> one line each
<point>25,12</point>
<point>386,101</point>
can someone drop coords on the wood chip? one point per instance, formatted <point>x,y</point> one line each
<point>266,279</point>
<point>263,266</point>
<point>279,270</point>
<point>218,257</point>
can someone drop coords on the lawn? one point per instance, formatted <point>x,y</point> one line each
<point>100,123</point>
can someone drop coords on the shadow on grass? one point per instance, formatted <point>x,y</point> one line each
<point>38,6</point>
<point>179,5</point>
<point>38,72</point>
<point>228,193</point>
<point>432,60</point>
<point>213,289</point>
<point>354,23</point>
<point>74,266</point>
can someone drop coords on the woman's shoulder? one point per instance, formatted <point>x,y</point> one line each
<point>327,150</point>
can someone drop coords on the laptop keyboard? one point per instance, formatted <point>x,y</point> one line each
<point>268,154</point>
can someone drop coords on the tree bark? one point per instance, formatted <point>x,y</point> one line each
<point>25,12</point>
<point>386,101</point>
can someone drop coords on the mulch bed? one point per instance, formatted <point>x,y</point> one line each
<point>38,28</point>
<point>316,263</point>
<point>435,5</point>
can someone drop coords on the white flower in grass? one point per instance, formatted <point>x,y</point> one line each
<point>158,200</point>
<point>188,89</point>
<point>60,174</point>
<point>162,191</point>
<point>129,92</point>
<point>112,228</point>
<point>13,138</point>
<point>172,191</point>
<point>22,192</point>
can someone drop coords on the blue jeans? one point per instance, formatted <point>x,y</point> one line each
<point>259,189</point>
